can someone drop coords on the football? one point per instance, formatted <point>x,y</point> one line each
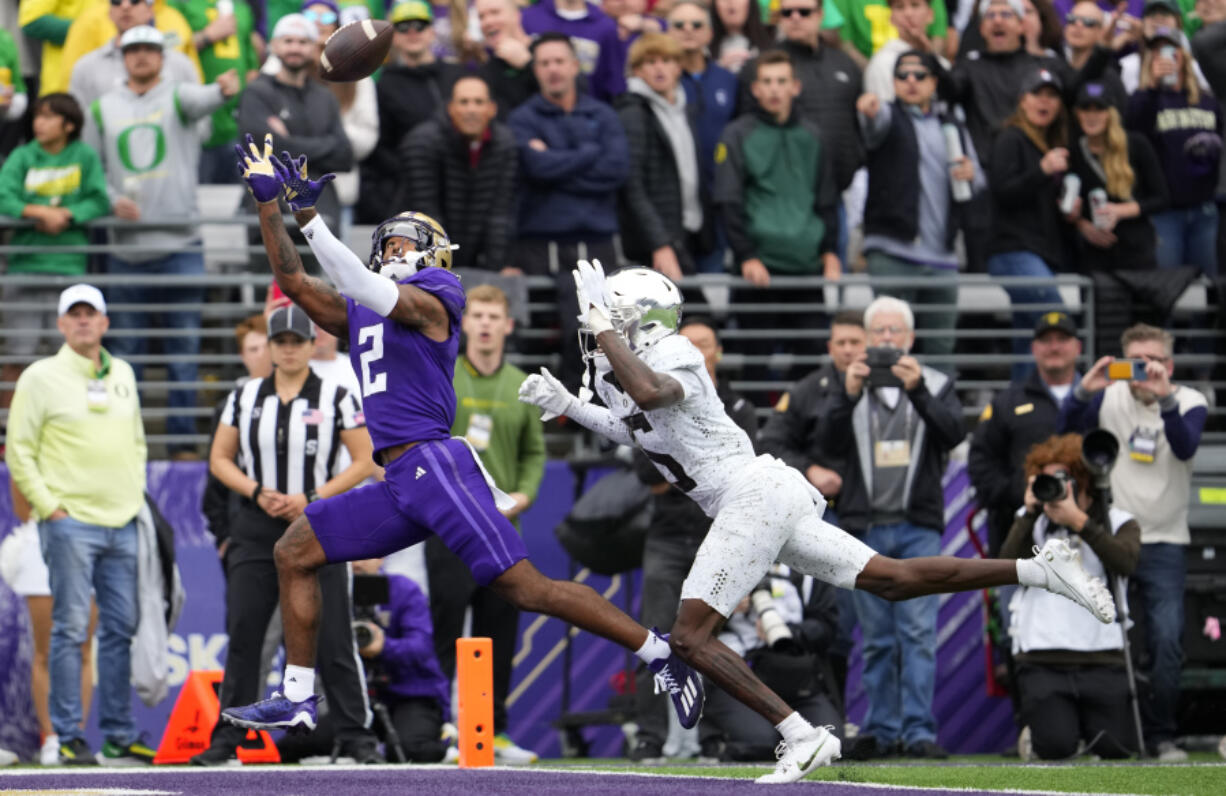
<point>356,50</point>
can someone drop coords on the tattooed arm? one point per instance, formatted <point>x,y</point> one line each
<point>319,299</point>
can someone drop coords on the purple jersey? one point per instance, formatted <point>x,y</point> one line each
<point>407,391</point>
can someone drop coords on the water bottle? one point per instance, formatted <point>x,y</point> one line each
<point>1070,192</point>
<point>954,154</point>
<point>1098,201</point>
<point>1168,51</point>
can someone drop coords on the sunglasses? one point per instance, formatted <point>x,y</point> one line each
<point>796,12</point>
<point>131,2</point>
<point>320,17</point>
<point>912,74</point>
<point>693,24</point>
<point>1085,22</point>
<point>415,25</point>
<point>1001,15</point>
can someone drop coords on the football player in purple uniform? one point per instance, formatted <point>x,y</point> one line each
<point>401,312</point>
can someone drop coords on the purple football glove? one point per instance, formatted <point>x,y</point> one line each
<point>257,171</point>
<point>300,190</point>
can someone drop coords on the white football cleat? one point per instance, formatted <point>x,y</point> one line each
<point>797,759</point>
<point>1068,578</point>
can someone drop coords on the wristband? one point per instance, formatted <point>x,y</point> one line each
<point>312,496</point>
<point>255,494</point>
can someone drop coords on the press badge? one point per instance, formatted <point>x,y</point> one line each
<point>479,429</point>
<point>95,395</point>
<point>892,452</point>
<point>1143,444</point>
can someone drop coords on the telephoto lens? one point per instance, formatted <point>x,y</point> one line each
<point>1049,488</point>
<point>778,634</point>
<point>362,634</point>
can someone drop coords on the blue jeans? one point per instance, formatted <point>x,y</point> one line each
<point>81,557</point>
<point>1159,578</point>
<point>900,645</point>
<point>178,321</point>
<point>1022,263</point>
<point>1188,236</point>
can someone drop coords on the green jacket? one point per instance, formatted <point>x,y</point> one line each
<point>234,52</point>
<point>866,23</point>
<point>10,65</point>
<point>506,432</point>
<point>774,185</point>
<point>73,179</point>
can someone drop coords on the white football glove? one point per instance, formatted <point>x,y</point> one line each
<point>593,296</point>
<point>545,391</point>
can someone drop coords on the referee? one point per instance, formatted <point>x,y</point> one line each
<point>277,445</point>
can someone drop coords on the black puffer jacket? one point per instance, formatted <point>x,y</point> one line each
<point>830,84</point>
<point>407,96</point>
<point>475,204</point>
<point>649,203</point>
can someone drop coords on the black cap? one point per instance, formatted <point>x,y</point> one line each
<point>1165,34</point>
<point>1047,322</point>
<point>926,60</point>
<point>290,319</point>
<point>1092,95</point>
<point>1169,6</point>
<point>1040,78</point>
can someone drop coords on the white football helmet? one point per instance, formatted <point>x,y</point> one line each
<point>644,305</point>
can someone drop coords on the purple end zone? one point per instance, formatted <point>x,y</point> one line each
<point>397,780</point>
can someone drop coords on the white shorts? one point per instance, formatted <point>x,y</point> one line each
<point>21,562</point>
<point>771,515</point>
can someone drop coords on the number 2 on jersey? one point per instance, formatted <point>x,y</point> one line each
<point>371,382</point>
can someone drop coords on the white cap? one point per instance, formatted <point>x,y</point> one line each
<point>142,34</point>
<point>296,25</point>
<point>82,294</point>
<point>1015,5</point>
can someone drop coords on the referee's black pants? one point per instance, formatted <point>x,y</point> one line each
<point>252,594</point>
<point>452,591</point>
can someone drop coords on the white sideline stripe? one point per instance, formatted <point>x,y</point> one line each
<point>94,792</point>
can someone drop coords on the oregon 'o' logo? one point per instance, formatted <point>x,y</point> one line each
<point>142,147</point>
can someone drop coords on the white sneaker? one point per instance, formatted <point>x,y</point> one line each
<point>799,758</point>
<point>7,758</point>
<point>509,753</point>
<point>49,754</point>
<point>1168,752</point>
<point>1025,747</point>
<point>1068,578</point>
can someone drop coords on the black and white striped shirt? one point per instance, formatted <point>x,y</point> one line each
<point>295,447</point>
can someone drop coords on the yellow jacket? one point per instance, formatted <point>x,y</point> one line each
<point>93,28</point>
<point>48,20</point>
<point>73,449</point>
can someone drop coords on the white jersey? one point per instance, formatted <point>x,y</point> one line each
<point>693,443</point>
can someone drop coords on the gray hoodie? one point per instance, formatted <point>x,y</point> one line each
<point>672,118</point>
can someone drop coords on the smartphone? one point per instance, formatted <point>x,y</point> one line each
<point>880,360</point>
<point>1127,370</point>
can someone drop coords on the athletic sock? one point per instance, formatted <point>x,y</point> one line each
<point>299,683</point>
<point>653,649</point>
<point>1031,573</point>
<point>794,727</point>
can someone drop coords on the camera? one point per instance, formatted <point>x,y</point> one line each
<point>1127,370</point>
<point>778,634</point>
<point>368,591</point>
<point>1050,488</point>
<point>879,360</point>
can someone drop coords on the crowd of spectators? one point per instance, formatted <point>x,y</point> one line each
<point>798,138</point>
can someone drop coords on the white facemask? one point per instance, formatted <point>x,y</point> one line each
<point>402,266</point>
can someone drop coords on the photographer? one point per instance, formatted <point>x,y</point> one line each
<point>1070,668</point>
<point>896,436</point>
<point>783,629</point>
<point>396,640</point>
<point>1160,424</point>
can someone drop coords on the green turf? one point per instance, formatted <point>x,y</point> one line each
<point>1206,777</point>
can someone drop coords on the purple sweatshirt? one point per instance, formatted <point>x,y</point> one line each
<point>601,54</point>
<point>408,646</point>
<point>1186,138</point>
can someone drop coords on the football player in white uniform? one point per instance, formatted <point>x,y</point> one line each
<point>661,399</point>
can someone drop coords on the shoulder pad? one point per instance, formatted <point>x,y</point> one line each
<point>674,353</point>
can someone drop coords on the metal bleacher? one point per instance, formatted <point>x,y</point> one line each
<point>235,289</point>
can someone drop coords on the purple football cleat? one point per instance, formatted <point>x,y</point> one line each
<point>682,683</point>
<point>275,713</point>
